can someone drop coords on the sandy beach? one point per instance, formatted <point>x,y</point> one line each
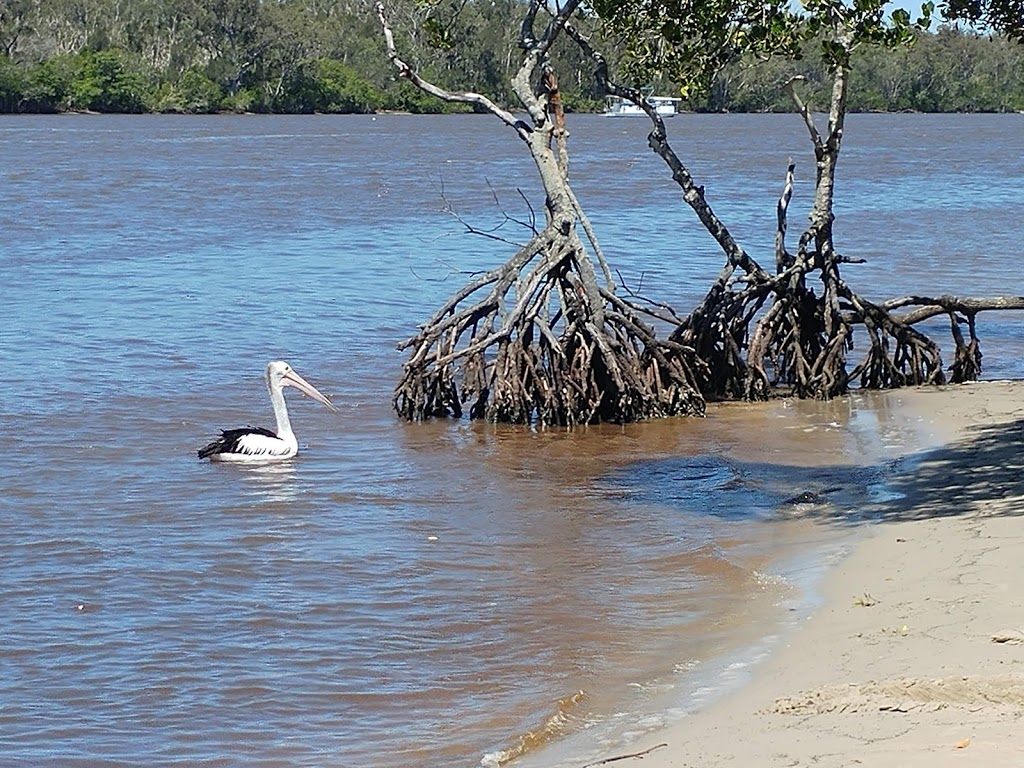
<point>915,657</point>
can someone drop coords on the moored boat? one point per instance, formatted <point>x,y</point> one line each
<point>665,106</point>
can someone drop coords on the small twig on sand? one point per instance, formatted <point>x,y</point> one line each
<point>625,757</point>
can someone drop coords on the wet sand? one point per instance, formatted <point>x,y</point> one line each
<point>915,657</point>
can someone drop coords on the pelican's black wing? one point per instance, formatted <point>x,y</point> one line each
<point>229,439</point>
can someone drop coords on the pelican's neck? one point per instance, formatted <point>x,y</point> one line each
<point>284,426</point>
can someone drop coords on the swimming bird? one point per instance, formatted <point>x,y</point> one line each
<point>257,443</point>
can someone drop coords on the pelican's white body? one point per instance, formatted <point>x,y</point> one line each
<point>258,447</point>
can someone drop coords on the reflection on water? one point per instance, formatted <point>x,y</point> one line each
<point>400,594</point>
<point>273,482</point>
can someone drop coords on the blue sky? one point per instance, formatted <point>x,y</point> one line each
<point>913,7</point>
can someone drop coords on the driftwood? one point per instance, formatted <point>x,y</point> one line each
<point>631,756</point>
<point>545,338</point>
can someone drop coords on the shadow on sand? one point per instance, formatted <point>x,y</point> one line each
<point>959,479</point>
<point>974,475</point>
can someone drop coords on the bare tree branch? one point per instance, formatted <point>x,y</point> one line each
<point>465,97</point>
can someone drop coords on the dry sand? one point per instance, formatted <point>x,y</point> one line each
<point>916,656</point>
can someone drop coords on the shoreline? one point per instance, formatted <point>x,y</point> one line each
<point>784,591</point>
<point>912,650</point>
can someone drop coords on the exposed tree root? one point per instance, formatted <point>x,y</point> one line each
<point>524,343</point>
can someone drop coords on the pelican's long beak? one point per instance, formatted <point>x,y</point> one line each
<point>293,379</point>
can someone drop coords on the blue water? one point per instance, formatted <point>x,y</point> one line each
<point>399,595</point>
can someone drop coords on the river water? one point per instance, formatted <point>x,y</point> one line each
<point>409,595</point>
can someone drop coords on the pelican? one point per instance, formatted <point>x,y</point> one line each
<point>257,443</point>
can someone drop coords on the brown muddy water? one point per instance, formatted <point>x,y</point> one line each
<point>409,595</point>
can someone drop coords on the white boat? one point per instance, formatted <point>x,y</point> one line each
<point>665,106</point>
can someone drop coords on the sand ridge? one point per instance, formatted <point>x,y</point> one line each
<point>904,695</point>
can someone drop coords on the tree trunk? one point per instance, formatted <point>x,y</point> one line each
<point>758,333</point>
<point>543,338</point>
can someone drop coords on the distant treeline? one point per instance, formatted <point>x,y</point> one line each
<point>304,56</point>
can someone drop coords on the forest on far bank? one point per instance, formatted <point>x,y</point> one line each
<point>319,56</point>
